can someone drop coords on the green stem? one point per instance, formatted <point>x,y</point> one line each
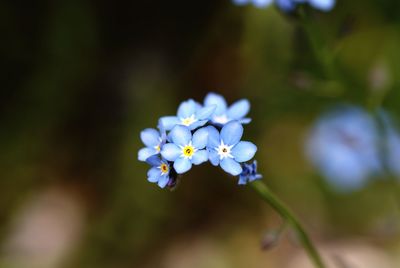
<point>266,194</point>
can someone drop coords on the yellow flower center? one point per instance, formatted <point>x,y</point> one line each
<point>164,168</point>
<point>158,148</point>
<point>188,150</point>
<point>188,120</point>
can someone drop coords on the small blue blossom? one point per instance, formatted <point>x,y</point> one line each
<point>226,149</point>
<point>249,173</point>
<point>186,149</point>
<point>190,114</point>
<point>153,140</point>
<point>159,172</point>
<point>343,146</point>
<point>290,5</point>
<point>224,114</point>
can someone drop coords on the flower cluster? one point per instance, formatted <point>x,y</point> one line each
<point>290,5</point>
<point>349,146</point>
<point>197,134</point>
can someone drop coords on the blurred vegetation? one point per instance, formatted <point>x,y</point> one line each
<point>80,79</point>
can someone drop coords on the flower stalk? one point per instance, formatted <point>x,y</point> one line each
<point>265,193</point>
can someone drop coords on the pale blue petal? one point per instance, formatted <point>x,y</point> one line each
<point>145,153</point>
<point>231,166</point>
<point>163,181</point>
<point>216,99</point>
<point>231,133</point>
<point>187,109</point>
<point>153,174</point>
<point>245,120</point>
<point>153,160</point>
<point>199,157</point>
<point>244,151</point>
<point>150,137</point>
<point>205,112</point>
<point>213,157</point>
<point>170,151</point>
<point>168,122</point>
<point>262,3</point>
<point>181,135</point>
<point>242,180</point>
<point>213,137</point>
<point>200,138</point>
<point>239,109</point>
<point>286,5</point>
<point>197,124</point>
<point>324,5</point>
<point>181,165</point>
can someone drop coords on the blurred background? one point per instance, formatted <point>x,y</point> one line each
<point>81,79</point>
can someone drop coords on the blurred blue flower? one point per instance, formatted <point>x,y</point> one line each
<point>153,140</point>
<point>249,173</point>
<point>343,146</point>
<point>159,172</point>
<point>290,5</point>
<point>226,149</point>
<point>190,114</point>
<point>223,114</point>
<point>186,149</point>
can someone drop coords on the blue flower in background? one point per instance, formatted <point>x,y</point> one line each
<point>224,114</point>
<point>190,114</point>
<point>343,146</point>
<point>249,173</point>
<point>226,149</point>
<point>153,140</point>
<point>290,5</point>
<point>159,172</point>
<point>186,149</point>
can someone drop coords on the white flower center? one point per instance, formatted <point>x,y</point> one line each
<point>188,120</point>
<point>221,119</point>
<point>224,150</point>
<point>188,151</point>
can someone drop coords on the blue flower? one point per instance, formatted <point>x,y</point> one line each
<point>249,173</point>
<point>186,149</point>
<point>153,140</point>
<point>226,149</point>
<point>223,114</point>
<point>190,114</point>
<point>343,146</point>
<point>159,172</point>
<point>290,5</point>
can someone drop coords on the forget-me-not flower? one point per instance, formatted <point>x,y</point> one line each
<point>224,114</point>
<point>190,114</point>
<point>186,149</point>
<point>290,5</point>
<point>249,173</point>
<point>159,172</point>
<point>226,149</point>
<point>343,146</point>
<point>153,140</point>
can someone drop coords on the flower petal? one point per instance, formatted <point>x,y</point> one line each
<point>213,137</point>
<point>197,124</point>
<point>180,135</point>
<point>145,153</point>
<point>199,157</point>
<point>245,120</point>
<point>150,137</point>
<point>231,166</point>
<point>200,138</point>
<point>163,181</point>
<point>168,122</point>
<point>181,165</point>
<point>244,151</point>
<point>154,160</point>
<point>170,151</point>
<point>213,157</point>
<point>216,99</point>
<point>324,5</point>
<point>232,132</point>
<point>153,174</point>
<point>239,109</point>
<point>205,112</point>
<point>187,109</point>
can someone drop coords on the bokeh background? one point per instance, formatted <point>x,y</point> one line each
<point>81,79</point>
